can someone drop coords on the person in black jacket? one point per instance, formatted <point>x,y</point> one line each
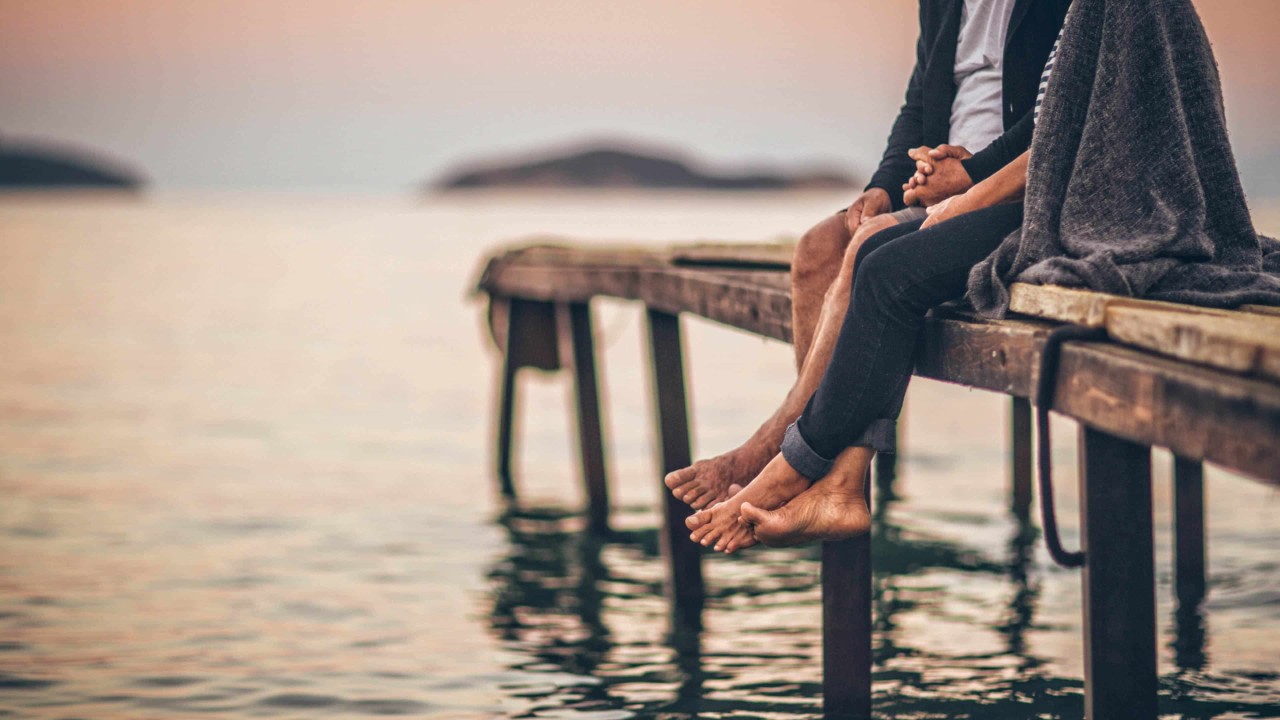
<point>975,81</point>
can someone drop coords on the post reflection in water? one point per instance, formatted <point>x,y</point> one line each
<point>562,600</point>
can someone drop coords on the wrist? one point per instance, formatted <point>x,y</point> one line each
<point>968,201</point>
<point>982,195</point>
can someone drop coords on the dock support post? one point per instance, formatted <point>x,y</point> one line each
<point>684,586</point>
<point>1020,447</point>
<point>846,626</point>
<point>1188,519</point>
<point>1189,562</point>
<point>506,421</point>
<point>579,346</point>
<point>886,474</point>
<point>1119,578</point>
<point>525,333</point>
<point>886,463</point>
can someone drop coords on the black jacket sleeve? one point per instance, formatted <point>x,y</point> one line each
<point>908,132</point>
<point>1003,150</point>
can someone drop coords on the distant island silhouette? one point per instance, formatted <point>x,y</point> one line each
<point>610,166</point>
<point>39,166</point>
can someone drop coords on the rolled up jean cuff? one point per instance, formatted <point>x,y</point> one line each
<point>880,436</point>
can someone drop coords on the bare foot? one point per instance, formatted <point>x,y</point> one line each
<point>835,508</point>
<point>707,482</point>
<point>719,525</point>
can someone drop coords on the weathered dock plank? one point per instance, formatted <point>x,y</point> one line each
<point>1245,341</point>
<point>775,256</point>
<point>1196,412</point>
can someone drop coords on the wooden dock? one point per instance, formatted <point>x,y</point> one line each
<point>1203,383</point>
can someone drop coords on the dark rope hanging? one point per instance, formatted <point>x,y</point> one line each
<point>1050,358</point>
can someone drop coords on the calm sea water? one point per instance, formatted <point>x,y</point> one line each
<point>245,470</point>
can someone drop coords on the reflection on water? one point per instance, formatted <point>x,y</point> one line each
<point>559,590</point>
<point>243,450</point>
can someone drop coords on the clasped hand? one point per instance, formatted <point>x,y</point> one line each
<point>940,174</point>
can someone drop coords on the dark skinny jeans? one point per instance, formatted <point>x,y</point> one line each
<point>899,275</point>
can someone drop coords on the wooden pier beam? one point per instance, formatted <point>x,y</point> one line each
<point>1020,449</point>
<point>578,344</point>
<point>1189,532</point>
<point>506,425</point>
<point>1188,563</point>
<point>846,626</point>
<point>525,333</point>
<point>684,586</point>
<point>1119,578</point>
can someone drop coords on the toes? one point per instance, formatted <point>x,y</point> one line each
<point>711,531</point>
<point>753,515</point>
<point>741,542</point>
<point>728,537</point>
<point>697,520</point>
<point>741,539</point>
<point>734,489</point>
<point>765,524</point>
<point>772,527</point>
<point>697,498</point>
<point>701,532</point>
<point>708,499</point>
<point>679,477</point>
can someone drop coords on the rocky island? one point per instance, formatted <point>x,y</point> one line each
<point>50,167</point>
<point>616,167</point>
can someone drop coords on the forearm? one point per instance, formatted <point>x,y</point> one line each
<point>1007,185</point>
<point>1003,150</point>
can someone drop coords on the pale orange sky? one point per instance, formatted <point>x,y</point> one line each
<point>384,93</point>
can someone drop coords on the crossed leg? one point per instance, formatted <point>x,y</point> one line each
<point>835,507</point>
<point>821,277</point>
<point>722,524</point>
<point>911,271</point>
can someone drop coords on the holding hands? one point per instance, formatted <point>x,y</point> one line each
<point>939,175</point>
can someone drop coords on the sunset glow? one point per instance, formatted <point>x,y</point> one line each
<point>387,93</point>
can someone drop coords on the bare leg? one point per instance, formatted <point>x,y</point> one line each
<point>835,508</point>
<point>814,269</point>
<point>821,275</point>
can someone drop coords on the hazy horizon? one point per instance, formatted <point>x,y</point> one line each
<point>390,94</point>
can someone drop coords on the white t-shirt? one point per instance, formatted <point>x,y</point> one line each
<point>977,113</point>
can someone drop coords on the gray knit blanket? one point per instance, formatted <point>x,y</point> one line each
<point>1132,188</point>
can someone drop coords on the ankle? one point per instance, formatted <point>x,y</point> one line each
<point>851,482</point>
